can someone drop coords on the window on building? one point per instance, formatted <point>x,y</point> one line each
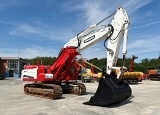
<point>13,65</point>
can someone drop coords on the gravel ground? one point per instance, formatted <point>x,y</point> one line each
<point>145,100</point>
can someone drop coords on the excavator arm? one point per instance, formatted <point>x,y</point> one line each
<point>132,63</point>
<point>114,33</point>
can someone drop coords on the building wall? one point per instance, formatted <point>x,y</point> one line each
<point>1,71</point>
<point>3,66</point>
<point>11,67</point>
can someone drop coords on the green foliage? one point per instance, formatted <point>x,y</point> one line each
<point>43,60</point>
<point>143,66</point>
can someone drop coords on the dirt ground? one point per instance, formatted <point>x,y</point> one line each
<point>145,100</point>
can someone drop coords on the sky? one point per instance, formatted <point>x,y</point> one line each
<point>31,28</point>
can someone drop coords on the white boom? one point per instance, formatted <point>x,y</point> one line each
<point>113,33</point>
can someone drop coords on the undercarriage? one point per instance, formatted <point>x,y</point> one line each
<point>155,77</point>
<point>54,91</point>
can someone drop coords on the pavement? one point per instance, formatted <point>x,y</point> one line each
<point>145,100</point>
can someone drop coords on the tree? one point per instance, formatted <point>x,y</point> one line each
<point>143,66</point>
<point>43,60</point>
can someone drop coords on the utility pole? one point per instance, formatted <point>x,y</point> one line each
<point>18,53</point>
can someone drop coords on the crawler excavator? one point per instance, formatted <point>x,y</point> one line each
<point>95,76</point>
<point>132,76</point>
<point>60,77</point>
<point>87,74</point>
<point>154,74</point>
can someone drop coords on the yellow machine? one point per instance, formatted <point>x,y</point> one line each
<point>133,77</point>
<point>88,74</point>
<point>95,76</point>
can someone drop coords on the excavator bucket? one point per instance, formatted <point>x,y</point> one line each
<point>110,91</point>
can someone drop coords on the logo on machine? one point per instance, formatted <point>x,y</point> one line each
<point>89,39</point>
<point>27,76</point>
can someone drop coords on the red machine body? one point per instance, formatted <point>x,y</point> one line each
<point>64,68</point>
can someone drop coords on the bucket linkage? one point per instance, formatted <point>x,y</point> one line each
<point>110,91</point>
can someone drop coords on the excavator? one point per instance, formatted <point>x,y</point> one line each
<point>154,74</point>
<point>132,76</point>
<point>60,77</point>
<point>87,74</point>
<point>95,76</point>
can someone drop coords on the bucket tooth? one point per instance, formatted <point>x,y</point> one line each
<point>110,91</point>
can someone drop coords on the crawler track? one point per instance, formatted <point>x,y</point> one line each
<point>50,91</point>
<point>155,79</point>
<point>53,91</point>
<point>78,89</point>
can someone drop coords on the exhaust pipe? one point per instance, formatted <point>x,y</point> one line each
<point>110,91</point>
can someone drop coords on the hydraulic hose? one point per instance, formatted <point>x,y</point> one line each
<point>112,30</point>
<point>79,42</point>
